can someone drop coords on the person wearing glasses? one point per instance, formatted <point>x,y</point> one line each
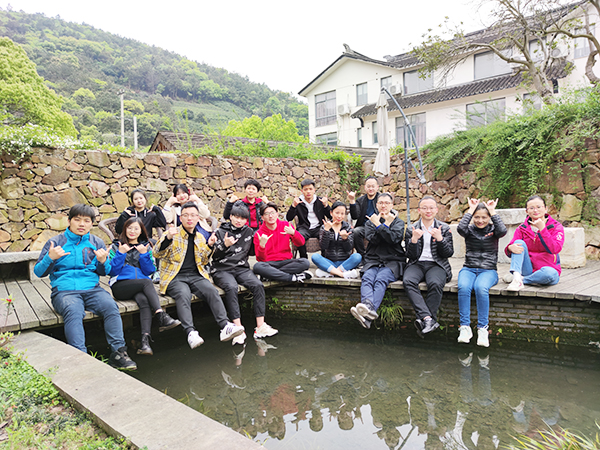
<point>184,253</point>
<point>428,251</point>
<point>384,259</point>
<point>535,247</point>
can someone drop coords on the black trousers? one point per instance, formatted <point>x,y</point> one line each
<point>359,240</point>
<point>435,277</point>
<point>228,280</point>
<point>307,233</point>
<point>281,270</point>
<point>145,295</point>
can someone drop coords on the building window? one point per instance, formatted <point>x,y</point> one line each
<point>489,64</point>
<point>483,113</point>
<point>327,139</point>
<point>582,45</point>
<point>417,124</point>
<point>413,83</point>
<point>361,94</point>
<point>386,82</point>
<point>374,128</point>
<point>359,137</point>
<point>325,109</point>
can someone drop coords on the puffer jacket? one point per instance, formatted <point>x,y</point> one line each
<point>151,219</point>
<point>132,265</point>
<point>481,243</point>
<point>543,246</point>
<point>235,256</point>
<point>336,249</point>
<point>440,251</point>
<point>385,246</point>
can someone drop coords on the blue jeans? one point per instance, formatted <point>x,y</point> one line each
<point>545,276</point>
<point>481,280</point>
<point>326,264</point>
<point>72,305</point>
<point>374,284</point>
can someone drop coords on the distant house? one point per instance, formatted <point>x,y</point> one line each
<point>342,98</point>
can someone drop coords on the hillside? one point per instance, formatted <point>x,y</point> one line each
<point>88,67</point>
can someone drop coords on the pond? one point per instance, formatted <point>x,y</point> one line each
<point>324,387</point>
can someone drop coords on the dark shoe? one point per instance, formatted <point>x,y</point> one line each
<point>306,275</point>
<point>145,348</point>
<point>121,360</point>
<point>429,325</point>
<point>366,323</point>
<point>419,326</point>
<point>166,322</point>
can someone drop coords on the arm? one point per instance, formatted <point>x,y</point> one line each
<point>518,235</point>
<point>147,263</point>
<point>162,246</point>
<point>553,239</point>
<point>291,213</point>
<point>44,265</point>
<point>101,268</point>
<point>348,244</point>
<point>116,261</point>
<point>298,239</point>
<point>354,210</point>
<point>463,226</point>
<point>325,237</point>
<point>227,210</point>
<point>445,247</point>
<point>122,219</point>
<point>499,227</point>
<point>371,234</point>
<point>203,209</point>
<point>394,233</point>
<point>160,221</point>
<point>261,252</point>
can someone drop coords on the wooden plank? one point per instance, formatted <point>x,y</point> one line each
<point>568,286</point>
<point>25,313</point>
<point>43,311</point>
<point>589,289</point>
<point>43,288</point>
<point>10,321</point>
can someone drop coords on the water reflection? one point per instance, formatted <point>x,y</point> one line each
<point>347,389</point>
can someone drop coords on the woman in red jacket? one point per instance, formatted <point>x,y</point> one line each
<point>535,247</point>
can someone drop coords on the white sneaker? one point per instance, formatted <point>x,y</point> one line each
<point>351,274</point>
<point>516,284</point>
<point>230,331</point>
<point>466,362</point>
<point>265,330</point>
<point>263,346</point>
<point>483,337</point>
<point>239,339</point>
<point>322,274</point>
<point>465,334</point>
<point>194,339</point>
<point>366,312</point>
<point>508,278</point>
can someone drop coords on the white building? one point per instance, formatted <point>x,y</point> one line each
<point>341,99</point>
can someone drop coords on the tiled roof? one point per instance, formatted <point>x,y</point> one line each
<point>460,91</point>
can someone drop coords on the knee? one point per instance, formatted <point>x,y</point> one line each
<point>305,263</point>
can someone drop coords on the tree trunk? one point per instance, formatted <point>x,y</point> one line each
<point>589,68</point>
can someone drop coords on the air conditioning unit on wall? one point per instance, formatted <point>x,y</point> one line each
<point>343,109</point>
<point>396,89</point>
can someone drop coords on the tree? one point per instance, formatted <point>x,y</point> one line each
<point>24,98</point>
<point>521,35</point>
<point>273,128</point>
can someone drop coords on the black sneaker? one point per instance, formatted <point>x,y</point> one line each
<point>166,322</point>
<point>303,276</point>
<point>121,360</point>
<point>145,348</point>
<point>429,325</point>
<point>419,326</point>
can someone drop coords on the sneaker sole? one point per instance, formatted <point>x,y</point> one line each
<point>261,336</point>
<point>196,345</point>
<point>130,368</point>
<point>483,344</point>
<point>358,317</point>
<point>170,327</point>
<point>419,332</point>
<point>232,335</point>
<point>141,352</point>
<point>366,312</point>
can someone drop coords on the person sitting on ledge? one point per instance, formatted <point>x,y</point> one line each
<point>181,195</point>
<point>311,211</point>
<point>151,218</point>
<point>232,243</point>
<point>252,202</point>
<point>384,259</point>
<point>74,260</point>
<point>428,251</point>
<point>273,253</point>
<point>184,253</point>
<point>535,247</point>
<point>336,242</point>
<point>361,209</point>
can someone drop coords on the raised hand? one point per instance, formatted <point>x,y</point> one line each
<point>327,224</point>
<point>436,233</point>
<point>324,200</point>
<point>229,240</point>
<point>540,223</point>
<point>193,197</point>
<point>389,217</point>
<point>344,234</point>
<point>233,198</point>
<point>473,202</point>
<point>375,219</point>
<point>212,240</point>
<point>289,230</point>
<point>142,248</point>
<point>264,199</point>
<point>351,196</point>
<point>417,233</point>
<point>129,212</point>
<point>491,206</point>
<point>124,248</point>
<point>56,252</point>
<point>263,239</point>
<point>296,201</point>
<point>101,255</point>
<point>172,231</point>
<point>172,200</point>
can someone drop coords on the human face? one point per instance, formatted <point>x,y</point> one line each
<point>189,218</point>
<point>80,225</point>
<point>237,221</point>
<point>251,191</point>
<point>481,218</point>
<point>428,209</point>
<point>338,214</point>
<point>270,216</point>
<point>309,192</point>
<point>371,188</point>
<point>536,209</point>
<point>182,196</point>
<point>384,205</point>
<point>133,232</point>
<point>139,201</point>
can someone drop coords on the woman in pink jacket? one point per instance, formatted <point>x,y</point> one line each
<point>535,247</point>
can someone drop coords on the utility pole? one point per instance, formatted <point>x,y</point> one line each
<point>122,93</point>
<point>135,145</point>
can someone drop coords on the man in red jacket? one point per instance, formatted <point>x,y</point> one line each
<point>272,245</point>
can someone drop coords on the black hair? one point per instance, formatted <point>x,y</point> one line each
<point>481,206</point>
<point>385,194</point>
<point>371,177</point>
<point>143,235</point>
<point>427,197</point>
<point>264,206</point>
<point>137,191</point>
<point>535,197</point>
<point>189,205</point>
<point>82,210</point>
<point>307,182</point>
<point>337,204</point>
<point>180,187</point>
<point>239,209</point>
<point>253,182</point>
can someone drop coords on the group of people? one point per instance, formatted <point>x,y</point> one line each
<point>379,249</point>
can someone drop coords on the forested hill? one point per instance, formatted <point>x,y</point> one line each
<point>88,67</point>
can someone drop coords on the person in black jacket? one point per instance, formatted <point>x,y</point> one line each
<point>384,259</point>
<point>361,209</point>
<point>479,271</point>
<point>231,243</point>
<point>336,242</point>
<point>311,211</point>
<point>152,218</point>
<point>428,251</point>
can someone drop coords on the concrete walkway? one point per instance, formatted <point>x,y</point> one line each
<point>122,405</point>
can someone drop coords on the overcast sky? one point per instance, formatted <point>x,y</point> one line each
<point>282,44</point>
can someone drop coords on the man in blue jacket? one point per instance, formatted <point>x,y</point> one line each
<point>74,260</point>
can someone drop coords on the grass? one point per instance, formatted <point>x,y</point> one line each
<point>560,439</point>
<point>217,114</point>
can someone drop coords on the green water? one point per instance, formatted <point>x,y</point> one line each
<point>350,388</point>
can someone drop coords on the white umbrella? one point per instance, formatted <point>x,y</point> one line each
<point>382,160</point>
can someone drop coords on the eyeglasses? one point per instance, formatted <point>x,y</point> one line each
<point>535,208</point>
<point>189,216</point>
